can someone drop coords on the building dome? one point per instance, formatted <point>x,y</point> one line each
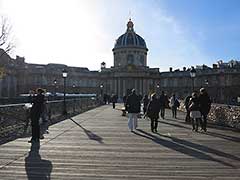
<point>130,38</point>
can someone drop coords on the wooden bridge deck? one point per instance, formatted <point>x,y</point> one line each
<point>98,145</point>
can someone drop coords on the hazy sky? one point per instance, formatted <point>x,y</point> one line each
<point>83,32</point>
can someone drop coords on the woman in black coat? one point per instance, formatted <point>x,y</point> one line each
<point>153,110</point>
<point>205,105</point>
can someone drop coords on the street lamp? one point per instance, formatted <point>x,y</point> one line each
<point>73,88</point>
<point>193,75</point>
<point>64,75</point>
<point>74,100</point>
<point>101,89</point>
<point>158,86</point>
<point>55,87</point>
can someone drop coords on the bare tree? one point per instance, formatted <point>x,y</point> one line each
<point>6,42</point>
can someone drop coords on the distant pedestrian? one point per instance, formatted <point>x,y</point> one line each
<point>114,100</point>
<point>36,110</point>
<point>133,106</point>
<point>163,100</point>
<point>194,108</point>
<point>174,104</point>
<point>186,104</point>
<point>205,106</point>
<point>153,109</point>
<point>145,103</point>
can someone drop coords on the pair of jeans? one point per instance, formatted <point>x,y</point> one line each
<point>132,121</point>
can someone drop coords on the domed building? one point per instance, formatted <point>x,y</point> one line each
<point>130,48</point>
<point>130,68</point>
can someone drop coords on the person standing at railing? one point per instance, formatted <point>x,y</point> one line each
<point>205,105</point>
<point>35,114</point>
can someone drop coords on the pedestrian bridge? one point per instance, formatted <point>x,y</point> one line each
<point>98,145</point>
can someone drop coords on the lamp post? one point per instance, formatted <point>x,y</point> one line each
<point>158,86</point>
<point>73,86</point>
<point>101,93</point>
<point>55,87</point>
<point>64,75</point>
<point>193,75</point>
<point>206,83</point>
<point>74,98</point>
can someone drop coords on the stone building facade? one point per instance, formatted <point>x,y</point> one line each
<point>129,71</point>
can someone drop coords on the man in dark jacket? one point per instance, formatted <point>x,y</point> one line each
<point>133,106</point>
<point>163,100</point>
<point>36,110</point>
<point>205,105</point>
<point>114,100</point>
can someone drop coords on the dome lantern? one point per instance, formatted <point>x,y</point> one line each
<point>130,25</point>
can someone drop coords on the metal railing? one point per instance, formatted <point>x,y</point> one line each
<point>15,118</point>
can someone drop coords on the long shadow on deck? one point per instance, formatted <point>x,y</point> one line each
<point>188,148</point>
<point>35,166</point>
<point>90,134</point>
<point>214,134</point>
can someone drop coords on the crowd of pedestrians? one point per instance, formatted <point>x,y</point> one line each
<point>197,108</point>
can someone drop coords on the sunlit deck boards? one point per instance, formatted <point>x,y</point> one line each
<point>98,145</point>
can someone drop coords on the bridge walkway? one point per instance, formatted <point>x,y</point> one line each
<point>98,145</point>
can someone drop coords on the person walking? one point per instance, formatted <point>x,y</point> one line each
<point>114,100</point>
<point>133,107</point>
<point>194,108</point>
<point>174,104</point>
<point>163,100</point>
<point>186,104</point>
<point>35,113</point>
<point>205,106</point>
<point>145,103</point>
<point>152,112</point>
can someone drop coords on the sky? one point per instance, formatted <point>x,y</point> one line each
<point>82,33</point>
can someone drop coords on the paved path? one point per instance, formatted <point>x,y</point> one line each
<point>98,145</point>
